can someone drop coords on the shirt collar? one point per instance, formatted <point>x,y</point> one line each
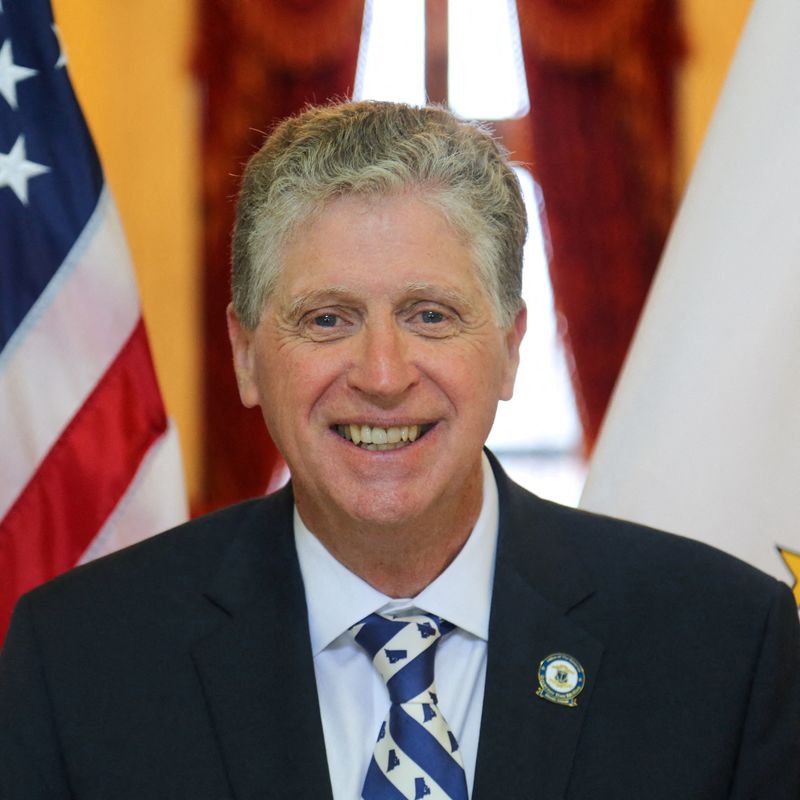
<point>337,598</point>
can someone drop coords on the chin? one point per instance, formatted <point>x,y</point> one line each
<point>382,507</point>
<point>389,513</point>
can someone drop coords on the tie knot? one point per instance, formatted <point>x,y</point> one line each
<point>403,651</point>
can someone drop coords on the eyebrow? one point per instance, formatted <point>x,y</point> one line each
<point>339,293</point>
<point>312,298</point>
<point>440,292</point>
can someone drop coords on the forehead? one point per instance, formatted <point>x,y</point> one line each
<point>400,242</point>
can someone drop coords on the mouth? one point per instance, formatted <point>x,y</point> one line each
<point>374,437</point>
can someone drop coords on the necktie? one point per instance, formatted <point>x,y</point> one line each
<point>416,755</point>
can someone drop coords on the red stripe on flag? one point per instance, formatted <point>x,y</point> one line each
<point>82,478</point>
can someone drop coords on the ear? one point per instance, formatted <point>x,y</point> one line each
<point>244,358</point>
<point>513,339</point>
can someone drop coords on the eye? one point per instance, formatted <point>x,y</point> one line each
<point>324,325</point>
<point>431,320</point>
<point>326,320</point>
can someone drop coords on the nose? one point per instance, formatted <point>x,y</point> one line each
<point>383,366</point>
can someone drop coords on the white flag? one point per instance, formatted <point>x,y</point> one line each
<point>703,434</point>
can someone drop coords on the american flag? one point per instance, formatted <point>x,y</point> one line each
<point>89,461</point>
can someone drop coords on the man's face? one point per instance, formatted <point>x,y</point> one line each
<point>379,324</point>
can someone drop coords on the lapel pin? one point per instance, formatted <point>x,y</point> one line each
<point>561,679</point>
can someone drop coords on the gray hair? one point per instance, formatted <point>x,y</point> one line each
<point>378,149</point>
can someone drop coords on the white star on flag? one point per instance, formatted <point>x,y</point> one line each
<point>16,170</point>
<point>11,74</point>
<point>62,55</point>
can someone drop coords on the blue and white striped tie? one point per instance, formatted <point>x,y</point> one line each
<point>416,755</point>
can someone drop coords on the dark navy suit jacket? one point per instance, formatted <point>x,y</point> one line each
<point>181,668</point>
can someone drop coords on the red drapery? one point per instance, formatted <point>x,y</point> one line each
<point>257,61</point>
<point>601,78</point>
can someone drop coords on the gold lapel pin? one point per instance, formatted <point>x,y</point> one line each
<point>561,679</point>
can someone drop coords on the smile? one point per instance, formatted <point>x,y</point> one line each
<point>376,438</point>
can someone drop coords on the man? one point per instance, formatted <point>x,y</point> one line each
<point>285,648</point>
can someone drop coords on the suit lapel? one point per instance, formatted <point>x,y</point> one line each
<point>527,743</point>
<point>256,668</point>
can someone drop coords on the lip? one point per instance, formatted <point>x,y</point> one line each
<point>395,422</point>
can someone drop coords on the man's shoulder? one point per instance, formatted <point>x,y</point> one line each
<point>620,553</point>
<point>162,570</point>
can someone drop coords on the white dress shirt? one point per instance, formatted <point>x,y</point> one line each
<point>352,695</point>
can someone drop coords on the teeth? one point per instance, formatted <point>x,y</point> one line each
<point>377,438</point>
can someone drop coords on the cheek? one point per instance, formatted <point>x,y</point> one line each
<point>298,382</point>
<point>479,364</point>
<point>465,380</point>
